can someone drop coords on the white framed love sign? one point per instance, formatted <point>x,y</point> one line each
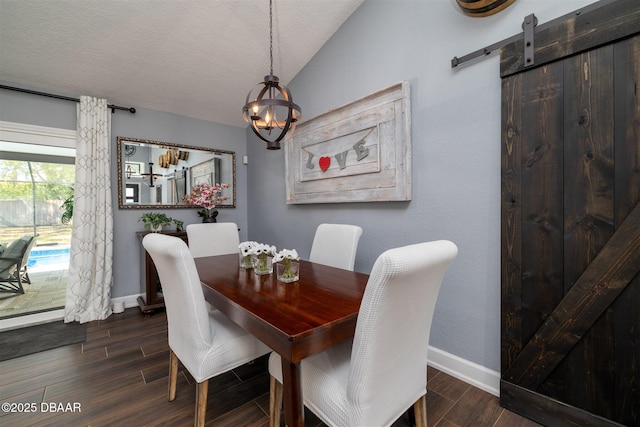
<point>360,152</point>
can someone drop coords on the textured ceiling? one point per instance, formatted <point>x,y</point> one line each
<point>196,58</point>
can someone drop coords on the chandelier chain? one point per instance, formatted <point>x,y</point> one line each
<point>271,34</point>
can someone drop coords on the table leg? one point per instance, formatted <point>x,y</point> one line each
<point>293,406</point>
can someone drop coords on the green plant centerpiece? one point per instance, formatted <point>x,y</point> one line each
<point>155,220</point>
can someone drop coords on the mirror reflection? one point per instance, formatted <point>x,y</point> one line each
<point>154,174</point>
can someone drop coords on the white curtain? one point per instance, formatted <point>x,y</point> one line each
<point>90,268</point>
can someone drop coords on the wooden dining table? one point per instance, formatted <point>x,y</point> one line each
<point>296,320</point>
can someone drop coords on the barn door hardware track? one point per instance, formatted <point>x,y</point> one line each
<point>529,27</point>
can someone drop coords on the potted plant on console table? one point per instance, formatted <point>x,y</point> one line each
<point>155,220</point>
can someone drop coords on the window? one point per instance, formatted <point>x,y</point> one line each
<point>37,175</point>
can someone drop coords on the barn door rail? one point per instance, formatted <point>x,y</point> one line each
<point>530,21</point>
<point>529,28</point>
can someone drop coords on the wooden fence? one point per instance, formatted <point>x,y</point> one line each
<point>18,213</point>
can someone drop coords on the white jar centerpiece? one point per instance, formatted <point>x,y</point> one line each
<point>262,258</point>
<point>245,254</point>
<point>287,265</point>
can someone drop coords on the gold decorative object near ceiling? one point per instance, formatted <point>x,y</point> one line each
<point>481,8</point>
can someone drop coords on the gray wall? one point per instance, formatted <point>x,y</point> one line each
<point>145,124</point>
<point>36,110</point>
<point>158,126</point>
<point>456,152</point>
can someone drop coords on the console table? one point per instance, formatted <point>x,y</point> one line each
<point>153,298</point>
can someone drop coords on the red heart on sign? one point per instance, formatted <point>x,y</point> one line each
<point>324,163</point>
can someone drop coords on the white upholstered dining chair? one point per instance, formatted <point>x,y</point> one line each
<point>210,239</point>
<point>336,245</point>
<point>374,378</point>
<point>207,343</point>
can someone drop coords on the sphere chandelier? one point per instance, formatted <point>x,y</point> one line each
<point>269,107</point>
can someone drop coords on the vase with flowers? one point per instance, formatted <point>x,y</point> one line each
<point>208,197</point>
<point>262,258</point>
<point>246,249</point>
<point>287,265</point>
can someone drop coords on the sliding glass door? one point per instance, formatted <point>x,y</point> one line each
<point>36,198</point>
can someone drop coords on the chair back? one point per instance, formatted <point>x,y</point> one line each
<point>188,320</point>
<point>389,354</point>
<point>31,243</point>
<point>336,245</point>
<point>18,250</point>
<point>209,239</point>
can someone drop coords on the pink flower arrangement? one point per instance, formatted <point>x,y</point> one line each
<point>206,195</point>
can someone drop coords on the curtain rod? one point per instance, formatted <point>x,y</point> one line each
<point>65,98</point>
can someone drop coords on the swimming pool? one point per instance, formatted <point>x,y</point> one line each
<point>46,258</point>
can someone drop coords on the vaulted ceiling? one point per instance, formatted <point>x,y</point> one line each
<point>196,58</point>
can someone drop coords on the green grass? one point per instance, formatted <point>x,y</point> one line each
<point>47,234</point>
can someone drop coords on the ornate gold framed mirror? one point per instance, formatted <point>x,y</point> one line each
<point>155,174</point>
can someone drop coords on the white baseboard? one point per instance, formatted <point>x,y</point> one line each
<point>469,372</point>
<point>54,315</point>
<point>129,300</point>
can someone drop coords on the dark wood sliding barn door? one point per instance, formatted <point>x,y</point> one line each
<point>571,221</point>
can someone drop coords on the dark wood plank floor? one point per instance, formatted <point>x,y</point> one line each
<point>119,377</point>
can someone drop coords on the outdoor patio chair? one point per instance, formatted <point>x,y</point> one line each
<point>13,265</point>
